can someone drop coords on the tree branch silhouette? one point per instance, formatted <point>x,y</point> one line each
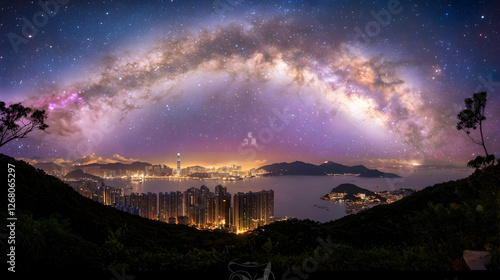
<point>17,121</point>
<point>472,117</point>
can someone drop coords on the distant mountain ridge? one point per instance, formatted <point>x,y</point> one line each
<point>51,167</point>
<point>78,174</point>
<point>48,167</point>
<point>329,167</point>
<point>135,166</point>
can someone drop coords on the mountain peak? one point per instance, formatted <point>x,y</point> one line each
<point>350,188</point>
<point>79,174</point>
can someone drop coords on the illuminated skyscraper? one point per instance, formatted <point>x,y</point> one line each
<point>222,206</point>
<point>178,164</point>
<point>253,209</point>
<point>163,203</point>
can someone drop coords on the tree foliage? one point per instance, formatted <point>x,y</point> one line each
<point>16,121</point>
<point>471,118</point>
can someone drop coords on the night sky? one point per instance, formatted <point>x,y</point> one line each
<point>251,82</point>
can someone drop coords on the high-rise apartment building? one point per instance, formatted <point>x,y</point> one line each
<point>195,206</point>
<point>178,164</point>
<point>222,206</point>
<point>148,205</point>
<point>162,207</point>
<point>252,209</point>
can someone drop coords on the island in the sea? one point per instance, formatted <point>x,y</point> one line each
<point>327,168</point>
<point>358,199</point>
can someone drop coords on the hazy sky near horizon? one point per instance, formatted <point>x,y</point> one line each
<point>251,82</point>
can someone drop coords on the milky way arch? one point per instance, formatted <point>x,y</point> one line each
<point>371,90</point>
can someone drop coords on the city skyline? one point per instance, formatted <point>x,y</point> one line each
<point>199,207</point>
<point>172,162</point>
<point>253,83</point>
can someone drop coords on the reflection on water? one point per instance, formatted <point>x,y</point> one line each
<point>299,196</point>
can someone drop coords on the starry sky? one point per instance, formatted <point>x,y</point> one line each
<point>251,82</point>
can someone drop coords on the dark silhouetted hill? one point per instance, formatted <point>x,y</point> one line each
<point>302,168</point>
<point>351,189</point>
<point>78,174</point>
<point>48,167</point>
<point>428,230</point>
<point>91,234</point>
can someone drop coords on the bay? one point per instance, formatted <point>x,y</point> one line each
<point>299,196</point>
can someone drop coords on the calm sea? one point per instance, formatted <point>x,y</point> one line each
<point>299,196</point>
